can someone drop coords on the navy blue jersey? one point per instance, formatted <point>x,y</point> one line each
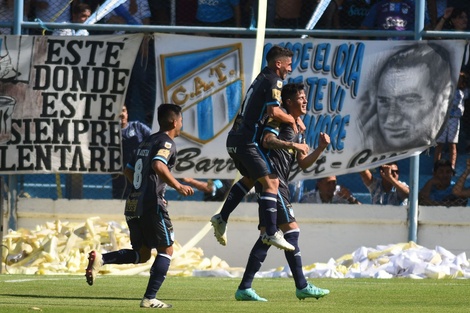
<point>148,190</point>
<point>282,159</point>
<point>264,91</point>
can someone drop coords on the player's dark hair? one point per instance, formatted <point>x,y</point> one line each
<point>443,163</point>
<point>166,114</point>
<point>277,52</point>
<point>80,8</point>
<point>290,91</point>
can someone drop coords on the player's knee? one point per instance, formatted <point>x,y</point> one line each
<point>144,254</point>
<point>273,181</point>
<point>292,236</point>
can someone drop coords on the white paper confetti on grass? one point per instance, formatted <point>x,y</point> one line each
<point>62,248</point>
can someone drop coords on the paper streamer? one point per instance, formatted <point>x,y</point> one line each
<point>260,34</point>
<point>101,12</point>
<point>319,10</point>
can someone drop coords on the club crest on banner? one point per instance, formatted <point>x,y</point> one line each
<point>208,84</point>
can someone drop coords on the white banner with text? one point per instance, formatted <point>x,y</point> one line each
<point>60,100</point>
<point>379,101</point>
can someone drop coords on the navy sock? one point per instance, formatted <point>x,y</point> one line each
<point>294,259</point>
<point>157,275</point>
<point>267,203</point>
<point>255,260</point>
<point>123,256</point>
<point>235,196</point>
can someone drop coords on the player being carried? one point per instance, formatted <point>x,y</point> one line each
<point>262,98</point>
<point>279,141</point>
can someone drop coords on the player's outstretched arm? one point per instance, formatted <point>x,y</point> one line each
<point>305,160</point>
<point>164,173</point>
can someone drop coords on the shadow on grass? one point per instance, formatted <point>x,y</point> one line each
<point>66,297</point>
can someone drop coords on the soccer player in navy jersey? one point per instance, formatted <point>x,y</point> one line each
<point>146,212</point>
<point>280,142</point>
<point>262,98</point>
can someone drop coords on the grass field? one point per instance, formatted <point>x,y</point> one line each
<point>28,293</point>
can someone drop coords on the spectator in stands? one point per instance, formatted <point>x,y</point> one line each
<point>221,13</point>
<point>386,189</point>
<point>436,8</point>
<point>132,133</point>
<point>131,12</point>
<point>329,18</point>
<point>351,13</point>
<point>459,189</point>
<point>438,190</point>
<point>213,189</point>
<point>461,4</point>
<point>328,191</point>
<point>288,14</point>
<point>450,135</point>
<point>453,19</point>
<point>7,14</point>
<point>391,15</point>
<point>80,13</point>
<point>52,11</point>
<point>94,4</point>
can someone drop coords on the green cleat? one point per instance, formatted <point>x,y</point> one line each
<point>248,295</point>
<point>311,292</point>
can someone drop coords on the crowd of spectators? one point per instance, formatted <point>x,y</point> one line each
<point>289,14</point>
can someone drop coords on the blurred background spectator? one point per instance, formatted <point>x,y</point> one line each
<point>131,12</point>
<point>221,13</point>
<point>438,190</point>
<point>351,13</point>
<point>328,191</point>
<point>52,11</point>
<point>450,135</point>
<point>453,19</point>
<point>391,15</point>
<point>132,133</point>
<point>80,13</point>
<point>7,13</point>
<point>213,189</point>
<point>386,189</point>
<point>288,14</point>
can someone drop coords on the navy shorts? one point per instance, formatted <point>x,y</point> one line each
<point>153,229</point>
<point>248,158</point>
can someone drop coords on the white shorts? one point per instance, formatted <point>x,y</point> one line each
<point>451,131</point>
